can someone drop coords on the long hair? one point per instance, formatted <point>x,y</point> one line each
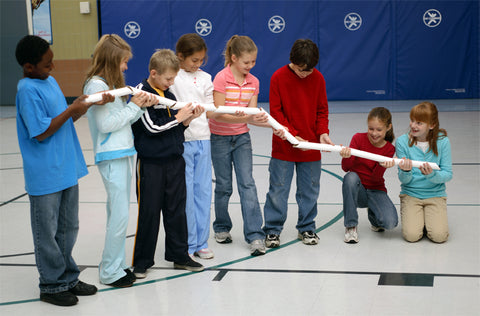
<point>383,115</point>
<point>109,53</point>
<point>237,45</point>
<point>427,112</point>
<point>189,44</point>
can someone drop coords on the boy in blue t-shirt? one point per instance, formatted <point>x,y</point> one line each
<point>52,163</point>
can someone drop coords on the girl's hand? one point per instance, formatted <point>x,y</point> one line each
<point>405,164</point>
<point>345,152</point>
<point>259,118</point>
<point>106,98</point>
<point>426,169</point>
<point>143,99</point>
<point>184,113</point>
<point>387,164</point>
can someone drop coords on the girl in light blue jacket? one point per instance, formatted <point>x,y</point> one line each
<point>110,128</point>
<point>423,194</point>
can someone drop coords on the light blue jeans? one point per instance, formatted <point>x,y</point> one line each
<point>116,176</point>
<point>308,188</point>
<point>236,151</point>
<point>54,220</point>
<point>198,178</point>
<point>381,211</point>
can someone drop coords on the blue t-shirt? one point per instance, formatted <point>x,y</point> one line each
<point>57,162</point>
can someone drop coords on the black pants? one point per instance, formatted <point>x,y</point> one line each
<point>161,188</point>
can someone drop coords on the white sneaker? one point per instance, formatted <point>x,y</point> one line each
<point>308,238</point>
<point>223,237</point>
<point>257,247</point>
<point>351,236</point>
<point>204,253</point>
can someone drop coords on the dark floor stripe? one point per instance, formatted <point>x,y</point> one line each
<point>221,273</point>
<point>406,279</point>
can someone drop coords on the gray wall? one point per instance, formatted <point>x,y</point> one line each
<point>13,26</point>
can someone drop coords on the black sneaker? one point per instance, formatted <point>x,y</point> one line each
<point>130,274</point>
<point>65,298</point>
<point>190,265</point>
<point>272,241</point>
<point>124,281</point>
<point>83,289</point>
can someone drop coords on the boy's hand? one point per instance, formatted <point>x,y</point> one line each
<point>80,107</point>
<point>197,111</point>
<point>184,113</point>
<point>280,133</point>
<point>325,139</point>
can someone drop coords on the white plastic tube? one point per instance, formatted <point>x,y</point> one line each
<point>361,153</point>
<point>116,93</point>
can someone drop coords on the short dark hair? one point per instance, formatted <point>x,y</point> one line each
<point>30,49</point>
<point>304,52</point>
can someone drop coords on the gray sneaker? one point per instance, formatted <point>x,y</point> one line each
<point>351,235</point>
<point>223,237</point>
<point>308,238</point>
<point>257,247</point>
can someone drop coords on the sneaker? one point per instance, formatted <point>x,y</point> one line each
<point>130,274</point>
<point>124,281</point>
<point>272,241</point>
<point>223,237</point>
<point>190,265</point>
<point>204,253</point>
<point>308,238</point>
<point>257,247</point>
<point>140,273</point>
<point>377,229</point>
<point>83,289</point>
<point>351,236</point>
<point>65,298</point>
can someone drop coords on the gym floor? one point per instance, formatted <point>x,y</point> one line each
<point>381,275</point>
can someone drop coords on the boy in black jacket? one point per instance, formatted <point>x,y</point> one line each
<point>159,137</point>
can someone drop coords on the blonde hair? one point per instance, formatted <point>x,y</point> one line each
<point>163,60</point>
<point>427,112</point>
<point>237,45</point>
<point>108,54</point>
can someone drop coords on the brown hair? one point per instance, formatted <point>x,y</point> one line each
<point>237,45</point>
<point>304,52</point>
<point>163,60</point>
<point>108,54</point>
<point>383,115</point>
<point>189,44</point>
<point>427,112</point>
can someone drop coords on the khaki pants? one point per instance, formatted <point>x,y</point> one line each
<point>417,214</point>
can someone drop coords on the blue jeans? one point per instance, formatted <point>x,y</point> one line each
<point>198,178</point>
<point>54,220</point>
<point>117,177</point>
<point>236,151</point>
<point>381,211</point>
<point>308,188</point>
